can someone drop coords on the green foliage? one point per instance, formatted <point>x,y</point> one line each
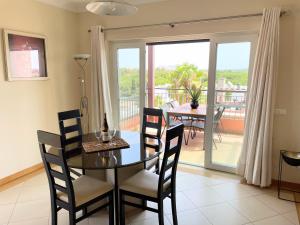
<point>129,82</point>
<point>236,77</point>
<point>177,78</point>
<point>193,91</point>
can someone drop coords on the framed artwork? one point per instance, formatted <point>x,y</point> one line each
<point>25,56</point>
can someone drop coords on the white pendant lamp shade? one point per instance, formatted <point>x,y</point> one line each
<point>111,8</point>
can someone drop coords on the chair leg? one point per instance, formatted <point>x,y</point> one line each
<point>214,142</point>
<point>174,210</point>
<point>122,209</point>
<point>53,214</point>
<point>157,167</point>
<point>279,176</point>
<point>111,209</point>
<point>161,212</point>
<point>72,218</point>
<point>186,139</point>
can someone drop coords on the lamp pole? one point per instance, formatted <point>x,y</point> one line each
<point>81,60</point>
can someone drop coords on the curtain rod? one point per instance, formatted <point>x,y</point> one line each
<point>173,24</point>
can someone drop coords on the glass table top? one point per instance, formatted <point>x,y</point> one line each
<point>135,154</point>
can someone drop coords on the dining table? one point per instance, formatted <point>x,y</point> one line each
<point>115,159</point>
<point>185,110</point>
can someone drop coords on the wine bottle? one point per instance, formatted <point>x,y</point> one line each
<point>105,131</point>
<point>105,125</point>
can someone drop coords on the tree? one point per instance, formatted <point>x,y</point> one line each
<point>185,75</point>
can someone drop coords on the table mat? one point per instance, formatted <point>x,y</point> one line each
<point>95,146</point>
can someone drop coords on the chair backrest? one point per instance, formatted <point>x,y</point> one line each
<point>219,114</point>
<point>152,119</point>
<point>55,164</point>
<point>174,103</point>
<point>70,130</point>
<point>171,157</point>
<point>165,108</point>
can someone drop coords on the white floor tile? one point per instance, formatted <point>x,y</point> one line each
<point>192,217</point>
<point>204,197</point>
<point>276,204</point>
<point>5,213</point>
<point>39,192</point>
<point>100,217</point>
<point>10,196</point>
<point>139,215</point>
<point>40,179</point>
<point>182,203</point>
<point>277,220</point>
<point>30,210</point>
<point>150,221</point>
<point>63,219</point>
<point>188,182</point>
<point>41,221</point>
<point>252,208</point>
<point>222,214</point>
<point>201,200</point>
<point>292,217</point>
<point>231,191</point>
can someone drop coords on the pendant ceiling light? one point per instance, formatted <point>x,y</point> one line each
<point>111,8</point>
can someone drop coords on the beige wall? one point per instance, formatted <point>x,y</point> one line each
<point>26,106</point>
<point>286,128</point>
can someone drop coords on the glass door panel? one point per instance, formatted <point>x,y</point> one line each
<point>230,68</point>
<point>129,88</point>
<point>231,84</point>
<point>128,84</point>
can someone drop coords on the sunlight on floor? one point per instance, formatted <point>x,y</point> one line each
<point>225,152</point>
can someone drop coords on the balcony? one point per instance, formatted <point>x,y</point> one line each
<point>225,151</point>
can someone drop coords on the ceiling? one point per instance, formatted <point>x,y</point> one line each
<point>79,5</point>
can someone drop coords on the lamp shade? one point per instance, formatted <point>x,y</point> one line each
<point>111,8</point>
<point>81,56</point>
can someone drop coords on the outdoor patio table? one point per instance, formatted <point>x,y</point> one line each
<point>187,111</point>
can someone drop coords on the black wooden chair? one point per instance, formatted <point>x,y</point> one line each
<point>76,195</point>
<point>151,130</point>
<point>71,133</point>
<point>148,186</point>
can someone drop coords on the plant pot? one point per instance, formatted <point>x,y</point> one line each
<point>194,104</point>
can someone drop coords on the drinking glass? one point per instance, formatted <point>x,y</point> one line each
<point>98,136</point>
<point>112,134</point>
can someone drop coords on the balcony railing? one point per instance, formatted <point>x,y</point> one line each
<point>233,100</point>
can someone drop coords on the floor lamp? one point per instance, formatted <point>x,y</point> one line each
<point>81,60</point>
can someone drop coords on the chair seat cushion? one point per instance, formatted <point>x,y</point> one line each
<point>87,188</point>
<point>144,183</point>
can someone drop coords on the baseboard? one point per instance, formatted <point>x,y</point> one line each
<point>290,185</point>
<point>21,174</point>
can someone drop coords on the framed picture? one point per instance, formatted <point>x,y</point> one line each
<point>25,56</point>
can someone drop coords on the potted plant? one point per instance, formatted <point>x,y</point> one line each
<point>195,94</point>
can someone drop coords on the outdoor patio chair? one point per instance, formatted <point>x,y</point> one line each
<point>200,125</point>
<point>174,104</point>
<point>173,122</point>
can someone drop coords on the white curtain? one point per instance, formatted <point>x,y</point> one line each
<point>255,163</point>
<point>100,91</point>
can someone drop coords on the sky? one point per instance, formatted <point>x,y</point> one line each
<point>230,56</point>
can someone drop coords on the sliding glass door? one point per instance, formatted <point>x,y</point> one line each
<point>129,84</point>
<point>230,69</point>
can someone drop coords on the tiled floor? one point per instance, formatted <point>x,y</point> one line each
<point>226,152</point>
<point>204,198</point>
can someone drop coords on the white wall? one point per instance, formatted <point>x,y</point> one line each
<point>26,106</point>
<point>286,128</point>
